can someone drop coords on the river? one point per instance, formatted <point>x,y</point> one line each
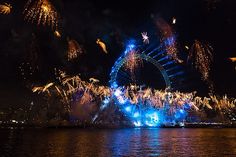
<point>117,142</point>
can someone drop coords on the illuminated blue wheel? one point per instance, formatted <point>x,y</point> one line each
<point>171,73</point>
<point>139,113</point>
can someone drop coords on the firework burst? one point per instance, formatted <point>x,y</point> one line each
<point>145,37</point>
<point>74,50</point>
<point>201,54</point>
<point>132,62</point>
<point>169,40</point>
<point>41,11</point>
<point>5,8</point>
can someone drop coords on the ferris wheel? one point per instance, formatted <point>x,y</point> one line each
<point>170,71</point>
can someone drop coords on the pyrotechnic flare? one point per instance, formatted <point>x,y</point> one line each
<point>201,55</point>
<point>5,8</point>
<point>145,37</point>
<point>47,86</point>
<point>187,48</point>
<point>168,37</point>
<point>102,45</point>
<point>233,59</point>
<point>93,80</point>
<point>173,20</point>
<point>41,11</point>
<point>57,34</point>
<point>74,49</point>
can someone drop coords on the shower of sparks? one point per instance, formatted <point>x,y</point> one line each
<point>201,55</point>
<point>145,37</point>
<point>168,37</point>
<point>74,49</point>
<point>79,98</point>
<point>132,62</point>
<point>41,11</point>
<point>5,8</point>
<point>102,45</point>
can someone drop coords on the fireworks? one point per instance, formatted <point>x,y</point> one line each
<point>93,80</point>
<point>74,50</point>
<point>173,20</point>
<point>5,8</point>
<point>143,107</point>
<point>169,40</point>
<point>145,37</point>
<point>102,45</point>
<point>187,48</point>
<point>201,54</point>
<point>41,11</point>
<point>233,59</point>
<point>132,62</point>
<point>57,34</point>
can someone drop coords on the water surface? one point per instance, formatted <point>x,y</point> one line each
<point>117,142</point>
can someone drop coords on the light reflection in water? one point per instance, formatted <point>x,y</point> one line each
<point>119,142</point>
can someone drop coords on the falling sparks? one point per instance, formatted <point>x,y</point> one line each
<point>74,49</point>
<point>5,8</point>
<point>168,37</point>
<point>102,45</point>
<point>41,11</point>
<point>145,37</point>
<point>201,54</point>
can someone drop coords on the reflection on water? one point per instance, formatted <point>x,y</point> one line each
<point>120,142</point>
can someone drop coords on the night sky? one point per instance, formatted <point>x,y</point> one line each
<point>115,22</point>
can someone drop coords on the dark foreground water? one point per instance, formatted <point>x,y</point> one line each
<point>120,142</point>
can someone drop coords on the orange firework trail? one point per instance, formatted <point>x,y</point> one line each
<point>201,54</point>
<point>233,59</point>
<point>102,45</point>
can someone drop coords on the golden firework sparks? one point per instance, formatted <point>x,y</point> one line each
<point>132,62</point>
<point>201,54</point>
<point>57,34</point>
<point>102,45</point>
<point>92,92</point>
<point>5,8</point>
<point>41,11</point>
<point>74,50</point>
